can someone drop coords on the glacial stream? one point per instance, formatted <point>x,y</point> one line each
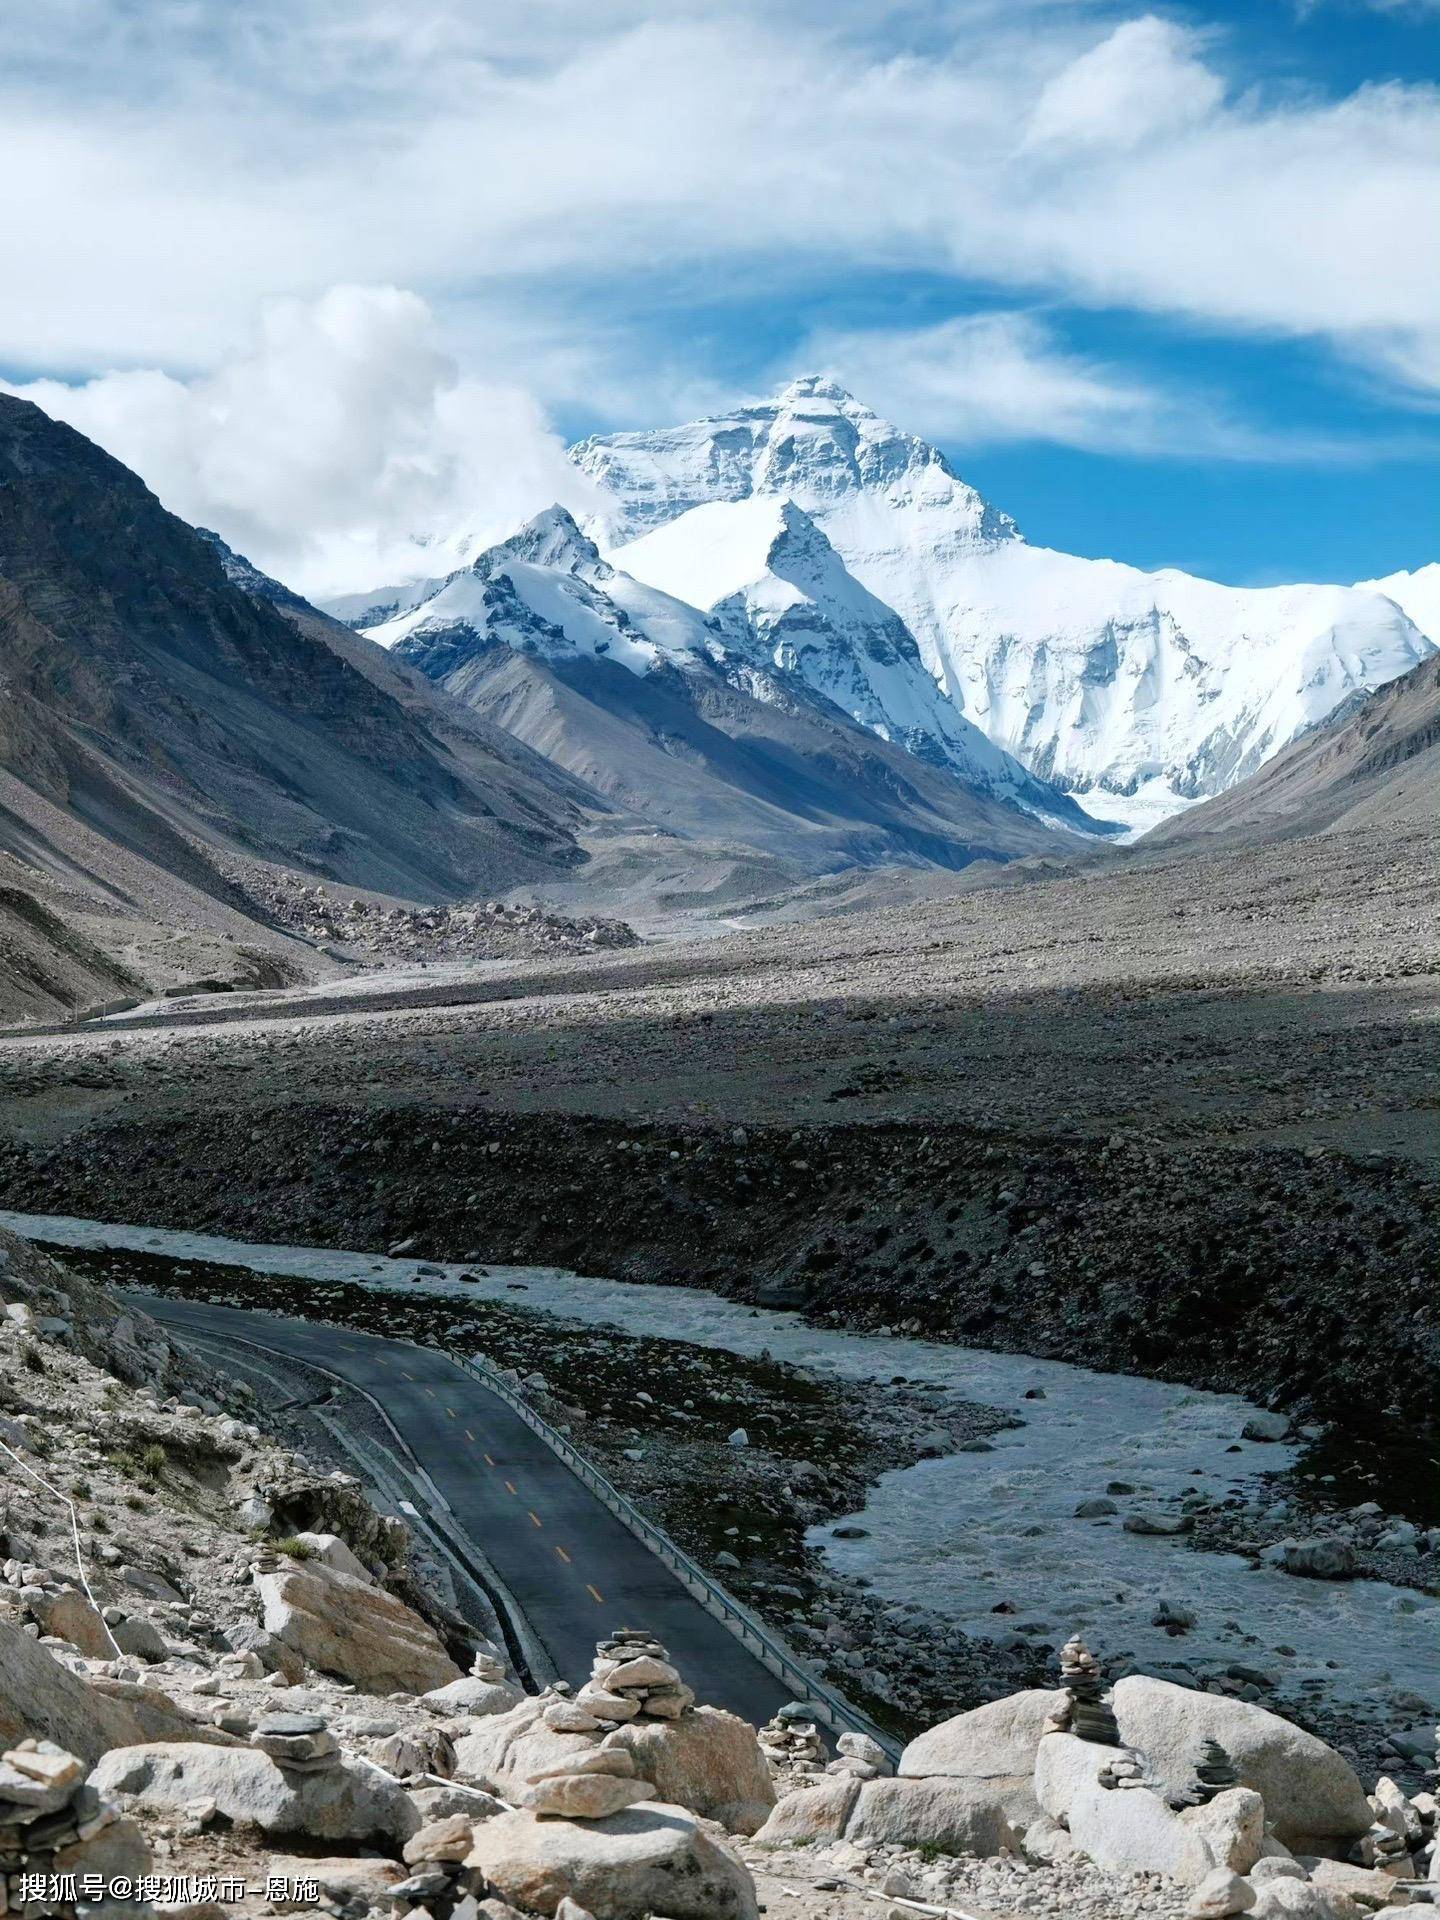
<point>971,1532</point>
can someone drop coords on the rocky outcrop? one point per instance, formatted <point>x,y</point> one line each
<point>708,1761</point>
<point>41,1698</point>
<point>351,1627</point>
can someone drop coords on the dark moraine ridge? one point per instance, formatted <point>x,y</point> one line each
<point>1303,1280</point>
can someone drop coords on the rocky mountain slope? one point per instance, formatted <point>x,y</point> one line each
<point>1135,689</point>
<point>1373,763</point>
<point>169,732</point>
<point>729,728</point>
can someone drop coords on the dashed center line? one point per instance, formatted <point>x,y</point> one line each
<point>595,1594</point>
<point>535,1517</point>
<point>510,1486</point>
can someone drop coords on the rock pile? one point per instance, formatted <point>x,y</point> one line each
<point>1088,1718</point>
<point>590,1785</point>
<point>53,1824</point>
<point>632,1677</point>
<point>792,1747</point>
<point>297,1742</point>
<point>440,1881</point>
<point>1214,1773</point>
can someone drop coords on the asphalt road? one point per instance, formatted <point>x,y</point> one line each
<point>575,1572</point>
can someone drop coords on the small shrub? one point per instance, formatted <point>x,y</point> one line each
<point>153,1461</point>
<point>295,1549</point>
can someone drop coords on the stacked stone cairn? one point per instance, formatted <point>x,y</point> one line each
<point>589,1785</point>
<point>297,1742</point>
<point>1089,1716</point>
<point>1214,1774</point>
<point>858,1757</point>
<point>631,1679</point>
<point>1399,1832</point>
<point>793,1747</point>
<point>52,1823</point>
<point>440,1881</point>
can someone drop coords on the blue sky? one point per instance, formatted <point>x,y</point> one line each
<point>335,275</point>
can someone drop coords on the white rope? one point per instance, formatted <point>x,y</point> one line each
<point>40,1480</point>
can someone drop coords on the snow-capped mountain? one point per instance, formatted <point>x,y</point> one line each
<point>1140,691</point>
<point>771,605</point>
<point>710,726</point>
<point>1416,593</point>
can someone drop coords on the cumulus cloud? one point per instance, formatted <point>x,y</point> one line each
<point>565,150</point>
<point>341,449</point>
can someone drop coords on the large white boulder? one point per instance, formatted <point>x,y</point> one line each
<point>709,1761</point>
<point>41,1699</point>
<point>1313,1797</point>
<point>248,1788</point>
<point>650,1858</point>
<point>351,1627</point>
<point>478,1698</point>
<point>1131,1830</point>
<point>1063,1765</point>
<point>1300,1900</point>
<point>504,1752</point>
<point>811,1813</point>
<point>1232,1825</point>
<point>996,1744</point>
<point>953,1816</point>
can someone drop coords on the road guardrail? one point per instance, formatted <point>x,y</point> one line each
<point>825,1704</point>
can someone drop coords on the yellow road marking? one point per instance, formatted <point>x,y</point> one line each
<point>595,1594</point>
<point>380,1361</point>
<point>469,1436</point>
<point>406,1376</point>
<point>488,1461</point>
<point>431,1392</point>
<point>510,1486</point>
<point>563,1555</point>
<point>452,1413</point>
<point>535,1516</point>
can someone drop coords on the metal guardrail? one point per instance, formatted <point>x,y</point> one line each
<point>827,1706</point>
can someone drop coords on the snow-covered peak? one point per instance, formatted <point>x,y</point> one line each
<point>551,539</point>
<point>783,601</point>
<point>1416,592</point>
<point>812,443</point>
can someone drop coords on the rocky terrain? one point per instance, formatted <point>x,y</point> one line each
<point>226,1686</point>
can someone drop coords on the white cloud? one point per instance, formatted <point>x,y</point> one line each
<point>558,153</point>
<point>985,378</point>
<point>340,450</point>
<point>1140,84</point>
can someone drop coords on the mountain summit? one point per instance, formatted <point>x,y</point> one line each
<point>1141,691</point>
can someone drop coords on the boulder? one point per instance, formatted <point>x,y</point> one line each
<point>342,1882</point>
<point>709,1761</point>
<point>1310,1791</point>
<point>953,1816</point>
<point>811,1813</point>
<point>68,1615</point>
<point>473,1696</point>
<point>1232,1825</point>
<point>41,1698</point>
<point>586,1796</point>
<point>335,1803</point>
<point>1063,1765</point>
<point>1219,1895</point>
<point>504,1753</point>
<point>139,1636</point>
<point>1131,1830</point>
<point>1367,1886</point>
<point>1322,1557</point>
<point>352,1628</point>
<point>331,1551</point>
<point>996,1744</point>
<point>650,1858</point>
<point>1299,1900</point>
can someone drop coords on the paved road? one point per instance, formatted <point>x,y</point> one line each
<point>573,1569</point>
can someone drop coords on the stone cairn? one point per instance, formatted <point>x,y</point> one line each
<point>1214,1774</point>
<point>1089,1717</point>
<point>52,1823</point>
<point>792,1746</point>
<point>439,1880</point>
<point>589,1785</point>
<point>297,1742</point>
<point>632,1678</point>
